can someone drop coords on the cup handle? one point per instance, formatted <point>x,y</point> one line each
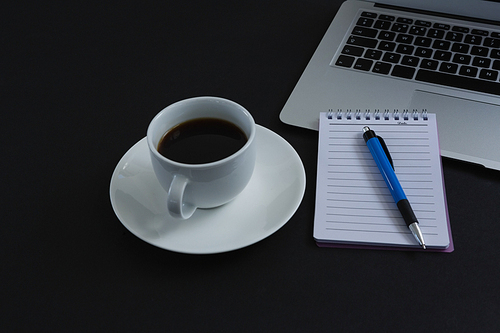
<point>175,197</point>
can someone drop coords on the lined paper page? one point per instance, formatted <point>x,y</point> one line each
<point>353,203</point>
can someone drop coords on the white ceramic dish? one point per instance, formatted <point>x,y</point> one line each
<point>272,196</point>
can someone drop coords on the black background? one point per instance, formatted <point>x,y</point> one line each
<point>80,82</point>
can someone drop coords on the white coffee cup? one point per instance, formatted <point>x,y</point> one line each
<point>209,185</point>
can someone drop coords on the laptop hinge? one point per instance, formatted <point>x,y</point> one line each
<point>432,13</point>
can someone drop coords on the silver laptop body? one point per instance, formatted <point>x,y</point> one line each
<point>468,110</point>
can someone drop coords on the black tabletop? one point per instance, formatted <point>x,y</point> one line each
<point>80,82</point>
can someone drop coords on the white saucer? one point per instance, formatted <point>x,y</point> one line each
<point>270,199</point>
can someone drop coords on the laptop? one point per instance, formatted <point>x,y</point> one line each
<point>439,55</point>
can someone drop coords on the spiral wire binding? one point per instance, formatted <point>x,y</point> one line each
<point>405,115</point>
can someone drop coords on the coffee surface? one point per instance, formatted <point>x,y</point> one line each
<point>201,140</point>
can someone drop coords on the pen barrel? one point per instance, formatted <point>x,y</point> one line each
<point>386,169</point>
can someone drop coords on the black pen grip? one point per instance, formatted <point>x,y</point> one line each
<point>406,211</point>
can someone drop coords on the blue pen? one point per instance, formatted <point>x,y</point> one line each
<point>381,155</point>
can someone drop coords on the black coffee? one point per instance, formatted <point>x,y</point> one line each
<point>201,140</point>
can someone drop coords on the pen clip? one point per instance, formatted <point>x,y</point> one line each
<point>386,150</point>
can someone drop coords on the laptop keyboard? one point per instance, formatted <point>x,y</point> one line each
<point>427,51</point>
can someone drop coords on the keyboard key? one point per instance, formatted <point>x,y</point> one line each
<point>406,39</point>
<point>381,68</point>
<point>491,42</point>
<point>479,32</point>
<point>362,41</point>
<point>488,74</point>
<point>468,71</point>
<point>410,61</point>
<point>345,61</point>
<point>441,26</point>
<point>353,50</point>
<point>365,22</point>
<point>429,64</point>
<point>461,29</point>
<point>448,67</point>
<point>363,64</point>
<point>463,59</point>
<point>405,49</point>
<point>404,20</point>
<point>403,72</point>
<point>400,27</point>
<point>369,14</point>
<point>462,82</point>
<point>474,40</point>
<point>460,48</point>
<point>454,36</point>
<point>441,45</point>
<point>496,64</point>
<point>422,41</point>
<point>441,55</point>
<point>386,35</point>
<point>391,57</point>
<point>480,51</point>
<point>373,54</point>
<point>418,31</point>
<point>382,25</point>
<point>421,23</point>
<point>386,46</point>
<point>481,62</point>
<point>365,32</point>
<point>423,52</point>
<point>435,33</point>
<point>387,18</point>
<point>495,34</point>
<point>495,54</point>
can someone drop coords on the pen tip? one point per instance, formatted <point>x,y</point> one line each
<point>415,230</point>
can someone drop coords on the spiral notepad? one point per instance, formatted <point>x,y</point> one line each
<point>354,207</point>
